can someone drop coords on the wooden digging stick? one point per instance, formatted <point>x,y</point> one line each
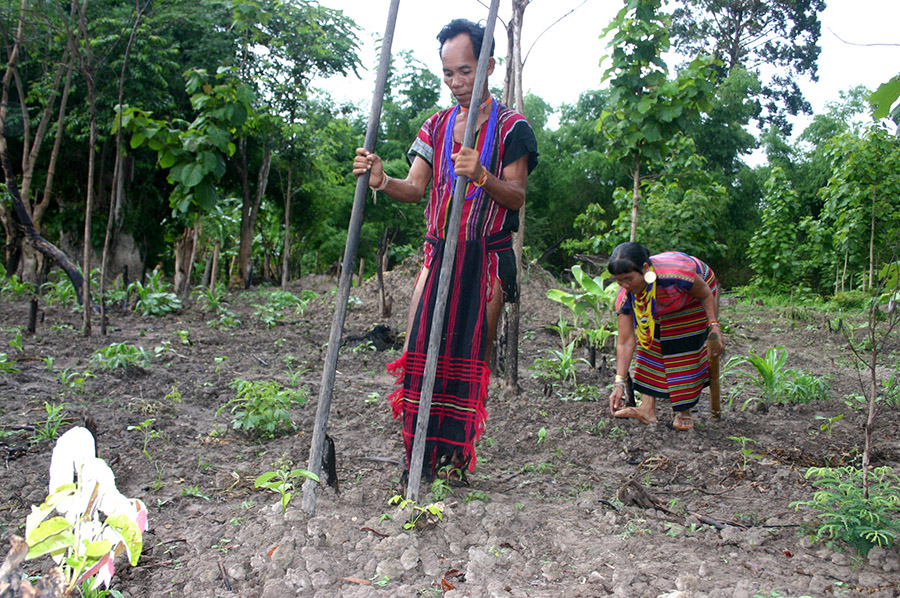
<point>337,325</point>
<point>437,322</point>
<point>715,405</point>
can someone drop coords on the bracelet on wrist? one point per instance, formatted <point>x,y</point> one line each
<point>620,377</point>
<point>384,182</point>
<point>483,179</point>
<point>714,323</point>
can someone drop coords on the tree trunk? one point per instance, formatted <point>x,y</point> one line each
<point>215,266</point>
<point>635,197</point>
<point>514,314</point>
<point>385,303</point>
<point>183,251</point>
<point>872,241</point>
<point>249,210</point>
<point>117,186</point>
<point>286,250</point>
<point>195,244</point>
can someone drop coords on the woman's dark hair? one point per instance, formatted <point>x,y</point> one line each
<point>458,26</point>
<point>628,257</point>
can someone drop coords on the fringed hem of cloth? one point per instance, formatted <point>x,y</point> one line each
<point>457,415</point>
<point>676,366</point>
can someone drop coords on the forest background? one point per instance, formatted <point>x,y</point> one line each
<point>227,162</point>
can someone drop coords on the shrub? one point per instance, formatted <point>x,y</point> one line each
<point>120,355</point>
<point>779,384</point>
<point>155,298</point>
<point>263,408</point>
<point>846,514</point>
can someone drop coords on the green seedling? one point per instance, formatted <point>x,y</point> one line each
<point>74,380</point>
<point>283,481</point>
<point>146,428</point>
<point>7,365</point>
<point>263,408</point>
<point>828,423</point>
<point>120,355</point>
<point>542,435</point>
<point>50,427</point>
<point>477,495</point>
<point>440,488</point>
<point>418,515</point>
<point>194,490</point>
<point>746,451</point>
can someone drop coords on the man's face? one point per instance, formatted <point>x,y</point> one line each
<point>459,62</point>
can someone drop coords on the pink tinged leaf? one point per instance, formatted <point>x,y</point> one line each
<point>103,569</point>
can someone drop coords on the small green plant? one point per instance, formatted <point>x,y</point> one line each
<point>828,423</point>
<point>225,319</point>
<point>365,347</point>
<point>284,481</point>
<point>155,297</point>
<point>16,342</point>
<point>477,495</point>
<point>222,545</point>
<point>440,488</point>
<point>50,427</point>
<point>542,435</point>
<point>634,527</point>
<point>262,408</point>
<point>13,287</point>
<point>746,450</point>
<point>184,336</point>
<point>418,515</point>
<point>146,428</point>
<point>380,580</point>
<point>74,380</point>
<point>847,513</point>
<point>58,290</point>
<point>174,397</point>
<point>778,383</point>
<point>372,398</point>
<point>7,365</point>
<point>120,355</point>
<point>194,491</point>
<point>209,299</point>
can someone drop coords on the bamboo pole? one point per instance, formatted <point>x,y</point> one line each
<point>359,204</point>
<point>437,323</point>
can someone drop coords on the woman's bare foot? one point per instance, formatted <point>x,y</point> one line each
<point>644,416</point>
<point>683,421</point>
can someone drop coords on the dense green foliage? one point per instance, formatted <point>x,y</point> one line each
<point>220,136</point>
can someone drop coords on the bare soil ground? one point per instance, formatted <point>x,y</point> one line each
<point>540,516</point>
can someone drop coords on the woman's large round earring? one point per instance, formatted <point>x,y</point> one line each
<point>649,276</point>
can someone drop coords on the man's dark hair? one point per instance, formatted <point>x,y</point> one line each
<point>628,257</point>
<point>458,26</point>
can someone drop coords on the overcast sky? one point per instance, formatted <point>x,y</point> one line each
<point>566,59</point>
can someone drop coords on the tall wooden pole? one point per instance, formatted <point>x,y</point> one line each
<point>437,322</point>
<point>359,204</point>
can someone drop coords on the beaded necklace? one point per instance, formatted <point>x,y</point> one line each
<point>644,311</point>
<point>486,150</point>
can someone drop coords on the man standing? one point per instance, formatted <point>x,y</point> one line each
<point>485,269</point>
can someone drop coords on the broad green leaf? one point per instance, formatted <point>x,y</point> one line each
<point>130,533</point>
<point>264,478</point>
<point>97,549</point>
<point>53,544</point>
<point>884,97</point>
<point>192,174</point>
<point>51,527</point>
